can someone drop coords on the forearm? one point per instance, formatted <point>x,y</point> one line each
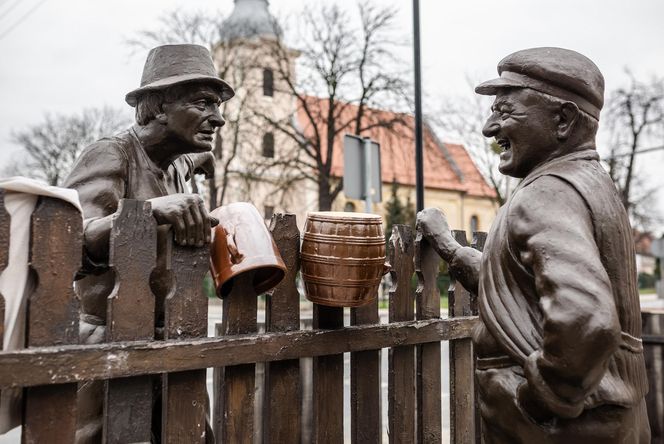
<point>465,267</point>
<point>463,262</point>
<point>96,239</point>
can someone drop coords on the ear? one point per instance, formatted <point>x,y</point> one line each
<point>568,115</point>
<point>161,118</point>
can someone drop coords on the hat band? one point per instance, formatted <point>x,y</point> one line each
<point>540,86</point>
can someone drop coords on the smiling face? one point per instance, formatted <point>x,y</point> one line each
<point>524,125</point>
<point>193,116</point>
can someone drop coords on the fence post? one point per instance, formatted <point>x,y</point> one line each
<point>401,360</point>
<point>131,316</point>
<point>427,296</point>
<point>55,257</point>
<point>5,226</point>
<point>184,395</point>
<point>281,408</point>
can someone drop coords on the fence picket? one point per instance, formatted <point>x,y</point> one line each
<point>328,383</point>
<point>462,393</point>
<point>282,408</point>
<point>55,256</point>
<point>401,360</point>
<point>238,382</point>
<point>365,419</point>
<point>184,394</point>
<point>427,296</point>
<point>131,316</point>
<point>5,226</point>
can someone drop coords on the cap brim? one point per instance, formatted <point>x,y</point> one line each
<point>491,87</point>
<point>225,90</point>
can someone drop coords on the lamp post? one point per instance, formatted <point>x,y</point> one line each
<point>419,167</point>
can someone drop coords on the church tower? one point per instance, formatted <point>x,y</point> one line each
<point>253,158</point>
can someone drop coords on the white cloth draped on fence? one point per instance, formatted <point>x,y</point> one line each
<point>21,196</point>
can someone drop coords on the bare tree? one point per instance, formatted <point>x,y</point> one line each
<point>635,122</point>
<point>341,76</point>
<point>180,26</point>
<point>52,146</point>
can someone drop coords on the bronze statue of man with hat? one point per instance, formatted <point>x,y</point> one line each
<point>559,354</point>
<point>177,113</point>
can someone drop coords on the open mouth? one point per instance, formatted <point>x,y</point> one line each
<point>504,143</point>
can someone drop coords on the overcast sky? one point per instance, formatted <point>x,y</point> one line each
<point>65,55</point>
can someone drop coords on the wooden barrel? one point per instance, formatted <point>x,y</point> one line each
<point>343,258</point>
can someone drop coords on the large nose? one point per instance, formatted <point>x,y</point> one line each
<point>491,127</point>
<point>215,118</point>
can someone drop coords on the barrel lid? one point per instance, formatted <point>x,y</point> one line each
<point>344,215</point>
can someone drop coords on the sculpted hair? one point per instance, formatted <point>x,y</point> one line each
<point>586,125</point>
<point>150,104</point>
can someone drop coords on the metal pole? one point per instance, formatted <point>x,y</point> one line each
<point>419,167</point>
<point>368,208</point>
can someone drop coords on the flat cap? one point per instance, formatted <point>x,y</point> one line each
<point>558,72</point>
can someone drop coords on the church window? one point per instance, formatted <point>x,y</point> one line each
<point>268,82</point>
<point>268,145</point>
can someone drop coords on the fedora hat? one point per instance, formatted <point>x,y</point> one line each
<point>169,65</point>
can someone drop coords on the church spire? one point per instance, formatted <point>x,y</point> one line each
<point>249,19</point>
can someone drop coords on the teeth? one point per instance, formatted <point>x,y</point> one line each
<point>504,143</point>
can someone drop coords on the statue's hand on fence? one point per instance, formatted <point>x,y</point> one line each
<point>187,215</point>
<point>432,225</point>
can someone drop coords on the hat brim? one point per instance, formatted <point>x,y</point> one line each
<point>491,87</point>
<point>225,90</point>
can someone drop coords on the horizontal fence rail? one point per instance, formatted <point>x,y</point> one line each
<point>62,364</point>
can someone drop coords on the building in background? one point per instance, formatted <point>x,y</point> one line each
<point>259,164</point>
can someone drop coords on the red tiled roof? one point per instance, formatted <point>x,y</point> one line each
<point>446,166</point>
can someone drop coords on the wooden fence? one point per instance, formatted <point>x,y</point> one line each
<point>132,359</point>
<point>653,342</point>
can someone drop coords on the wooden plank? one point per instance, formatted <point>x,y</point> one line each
<point>131,308</point>
<point>57,365</point>
<point>184,395</point>
<point>5,226</point>
<point>462,371</point>
<point>401,360</point>
<point>328,383</point>
<point>427,296</point>
<point>653,327</point>
<point>238,383</point>
<point>5,229</point>
<point>55,256</point>
<point>282,414</point>
<point>365,379</point>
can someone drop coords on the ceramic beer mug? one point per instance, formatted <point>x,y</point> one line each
<point>242,243</point>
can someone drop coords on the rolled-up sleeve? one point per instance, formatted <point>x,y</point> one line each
<point>551,231</point>
<point>99,176</point>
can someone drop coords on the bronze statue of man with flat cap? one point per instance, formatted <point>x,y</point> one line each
<point>560,358</point>
<point>177,113</point>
